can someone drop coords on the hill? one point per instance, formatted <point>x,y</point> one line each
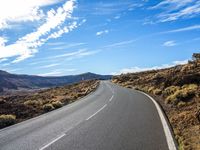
<point>177,89</point>
<point>10,81</point>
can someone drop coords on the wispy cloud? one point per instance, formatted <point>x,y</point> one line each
<point>66,46</point>
<point>75,55</point>
<point>169,43</point>
<point>120,43</point>
<point>57,72</point>
<point>101,32</point>
<point>177,9</point>
<point>27,46</point>
<point>49,66</point>
<point>189,28</point>
<point>109,7</point>
<point>52,73</point>
<point>140,69</point>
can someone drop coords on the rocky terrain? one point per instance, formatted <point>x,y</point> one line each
<point>177,89</point>
<point>20,107</point>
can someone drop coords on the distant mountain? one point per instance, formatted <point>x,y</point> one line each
<point>10,81</point>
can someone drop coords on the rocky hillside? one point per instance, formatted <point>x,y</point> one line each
<point>16,108</point>
<point>10,82</point>
<point>177,89</point>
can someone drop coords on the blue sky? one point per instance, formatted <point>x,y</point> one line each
<point>59,37</point>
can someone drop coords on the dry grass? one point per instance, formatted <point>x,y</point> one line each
<point>33,104</point>
<point>6,120</point>
<point>48,107</point>
<point>57,104</point>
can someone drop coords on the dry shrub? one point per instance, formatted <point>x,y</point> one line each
<point>151,89</point>
<point>34,103</point>
<point>57,104</point>
<point>48,107</point>
<point>157,92</point>
<point>185,93</point>
<point>170,90</point>
<point>6,120</point>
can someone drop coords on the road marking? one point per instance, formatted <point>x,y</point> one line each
<point>111,98</point>
<point>44,147</point>
<point>97,112</point>
<point>169,138</point>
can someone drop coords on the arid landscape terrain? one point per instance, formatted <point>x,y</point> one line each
<point>20,107</point>
<point>177,89</point>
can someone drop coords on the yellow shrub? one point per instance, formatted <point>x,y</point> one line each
<point>6,120</point>
<point>151,89</point>
<point>157,92</point>
<point>34,103</point>
<point>48,107</point>
<point>170,90</point>
<point>57,104</point>
<point>184,93</point>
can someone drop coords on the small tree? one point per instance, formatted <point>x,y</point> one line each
<point>196,56</point>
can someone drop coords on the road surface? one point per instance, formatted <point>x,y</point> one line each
<point>111,118</point>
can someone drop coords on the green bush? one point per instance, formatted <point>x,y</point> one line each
<point>48,107</point>
<point>6,120</point>
<point>57,104</point>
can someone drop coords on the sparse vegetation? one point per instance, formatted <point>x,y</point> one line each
<point>177,89</point>
<point>57,104</point>
<point>32,104</point>
<point>48,107</point>
<point>6,120</point>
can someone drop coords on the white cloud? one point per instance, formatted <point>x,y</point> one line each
<point>27,46</point>
<point>66,46</point>
<point>140,69</point>
<point>52,73</point>
<point>102,32</point>
<point>57,72</point>
<point>177,9</point>
<point>76,55</point>
<point>12,11</point>
<point>169,43</point>
<point>120,43</point>
<point>49,66</point>
<point>189,28</point>
<point>2,60</point>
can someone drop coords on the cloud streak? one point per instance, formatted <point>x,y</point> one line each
<point>169,43</point>
<point>177,9</point>
<point>102,32</point>
<point>140,69</point>
<point>28,45</point>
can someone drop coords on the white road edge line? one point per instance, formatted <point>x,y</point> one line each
<point>111,98</point>
<point>44,147</point>
<point>97,112</point>
<point>169,138</point>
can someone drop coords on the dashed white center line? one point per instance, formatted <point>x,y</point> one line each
<point>111,98</point>
<point>44,147</point>
<point>97,112</point>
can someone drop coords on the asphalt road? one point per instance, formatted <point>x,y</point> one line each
<point>111,118</point>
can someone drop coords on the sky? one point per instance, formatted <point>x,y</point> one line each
<point>64,37</point>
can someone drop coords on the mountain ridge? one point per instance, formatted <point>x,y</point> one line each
<point>10,81</point>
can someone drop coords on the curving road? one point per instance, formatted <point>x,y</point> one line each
<point>111,118</point>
